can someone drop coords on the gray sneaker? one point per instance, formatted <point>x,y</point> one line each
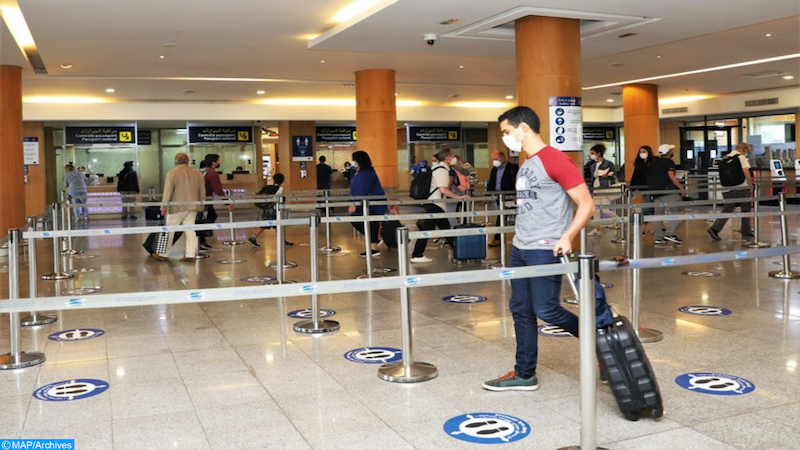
<point>252,240</point>
<point>511,382</point>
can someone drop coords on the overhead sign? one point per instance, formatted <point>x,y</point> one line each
<point>144,137</point>
<point>715,384</point>
<point>599,134</point>
<point>100,134</point>
<point>302,148</point>
<point>437,134</point>
<point>487,428</point>
<point>566,123</point>
<point>223,134</point>
<point>30,151</point>
<point>336,134</point>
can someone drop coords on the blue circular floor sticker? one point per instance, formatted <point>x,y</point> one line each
<point>78,334</point>
<point>374,355</point>
<point>700,310</point>
<point>462,298</point>
<point>487,428</point>
<point>306,313</point>
<point>715,384</point>
<point>64,391</point>
<point>552,331</point>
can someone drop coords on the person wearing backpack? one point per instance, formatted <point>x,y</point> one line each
<point>737,177</point>
<point>266,211</point>
<point>661,177</point>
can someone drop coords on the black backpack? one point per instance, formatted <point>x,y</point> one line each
<point>421,185</point>
<point>730,171</point>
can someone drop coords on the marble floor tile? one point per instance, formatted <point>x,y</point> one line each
<point>177,430</point>
<point>249,425</point>
<point>149,399</point>
<point>233,388</point>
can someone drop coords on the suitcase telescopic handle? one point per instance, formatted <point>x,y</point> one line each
<point>570,276</point>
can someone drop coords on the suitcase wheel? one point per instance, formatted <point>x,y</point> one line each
<point>658,412</point>
<point>632,416</point>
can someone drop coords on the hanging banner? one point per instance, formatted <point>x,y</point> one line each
<point>302,148</point>
<point>436,134</point>
<point>101,134</point>
<point>566,123</point>
<point>336,134</point>
<point>599,134</point>
<point>30,151</point>
<point>220,134</point>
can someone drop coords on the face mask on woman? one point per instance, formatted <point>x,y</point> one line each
<point>593,157</point>
<point>643,155</point>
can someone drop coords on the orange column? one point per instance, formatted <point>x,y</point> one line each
<point>376,121</point>
<point>548,65</point>
<point>12,187</point>
<point>640,111</point>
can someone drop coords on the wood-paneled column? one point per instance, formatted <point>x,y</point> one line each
<point>640,112</point>
<point>291,169</point>
<point>12,187</point>
<point>376,121</point>
<point>548,65</point>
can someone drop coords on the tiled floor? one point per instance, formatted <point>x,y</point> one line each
<point>233,375</point>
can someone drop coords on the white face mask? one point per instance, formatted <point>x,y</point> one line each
<point>593,157</point>
<point>434,164</point>
<point>643,155</point>
<point>354,164</point>
<point>453,161</point>
<point>496,163</point>
<point>512,143</point>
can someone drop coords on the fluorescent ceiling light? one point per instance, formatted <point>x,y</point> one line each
<point>693,72</point>
<point>15,22</point>
<point>353,9</point>
<point>64,100</point>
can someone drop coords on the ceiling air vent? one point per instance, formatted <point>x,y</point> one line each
<point>761,102</point>
<point>682,109</point>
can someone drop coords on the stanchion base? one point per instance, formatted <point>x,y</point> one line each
<point>37,319</point>
<point>784,275</point>
<point>57,276</point>
<point>648,335</point>
<point>366,275</point>
<point>756,245</point>
<point>20,360</point>
<point>72,252</point>
<point>331,249</point>
<point>274,282</point>
<point>618,241</point>
<point>321,327</point>
<point>497,265</point>
<point>286,265</point>
<point>396,372</point>
<point>570,300</point>
<point>232,242</point>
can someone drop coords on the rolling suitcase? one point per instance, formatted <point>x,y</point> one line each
<point>152,213</point>
<point>624,362</point>
<point>469,247</point>
<point>389,232</point>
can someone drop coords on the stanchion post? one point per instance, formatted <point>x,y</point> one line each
<point>756,229</point>
<point>502,209</point>
<point>16,359</point>
<point>316,325</point>
<point>367,241</point>
<point>68,222</point>
<point>233,240</point>
<point>786,273</point>
<point>713,184</point>
<point>329,248</point>
<point>57,274</point>
<point>34,318</point>
<point>622,231</point>
<point>407,370</point>
<point>646,335</point>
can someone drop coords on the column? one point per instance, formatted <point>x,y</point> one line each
<point>548,56</point>
<point>12,200</point>
<point>291,169</point>
<point>376,121</point>
<point>640,111</point>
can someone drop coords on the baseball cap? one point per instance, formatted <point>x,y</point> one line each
<point>663,149</point>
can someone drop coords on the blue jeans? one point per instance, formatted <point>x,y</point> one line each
<point>79,198</point>
<point>540,298</point>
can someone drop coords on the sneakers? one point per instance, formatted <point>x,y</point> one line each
<point>421,259</point>
<point>252,240</point>
<point>659,241</point>
<point>374,254</point>
<point>204,246</point>
<point>714,234</point>
<point>673,238</point>
<point>511,382</point>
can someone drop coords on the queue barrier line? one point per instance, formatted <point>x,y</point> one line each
<point>686,203</point>
<point>703,216</point>
<point>479,231</point>
<point>688,260</point>
<point>161,228</point>
<point>280,290</point>
<point>443,215</point>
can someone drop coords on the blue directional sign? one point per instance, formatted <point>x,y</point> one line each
<point>68,390</point>
<point>715,384</point>
<point>77,334</point>
<point>374,355</point>
<point>702,310</point>
<point>487,428</point>
<point>306,313</point>
<point>464,298</point>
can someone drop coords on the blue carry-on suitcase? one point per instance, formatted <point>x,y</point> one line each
<point>469,247</point>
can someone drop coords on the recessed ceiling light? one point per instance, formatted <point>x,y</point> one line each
<point>658,56</point>
<point>110,90</point>
<point>460,67</point>
<point>395,94</point>
<point>509,97</point>
<point>66,66</point>
<point>610,100</point>
<point>322,61</point>
<point>769,34</point>
<point>788,77</point>
<point>261,92</point>
<point>161,56</point>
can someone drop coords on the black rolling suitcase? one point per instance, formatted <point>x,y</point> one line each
<point>624,363</point>
<point>152,213</point>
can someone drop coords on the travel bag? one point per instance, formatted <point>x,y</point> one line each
<point>389,232</point>
<point>153,213</point>
<point>469,247</point>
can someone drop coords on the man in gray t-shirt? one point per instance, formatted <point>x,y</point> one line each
<point>548,183</point>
